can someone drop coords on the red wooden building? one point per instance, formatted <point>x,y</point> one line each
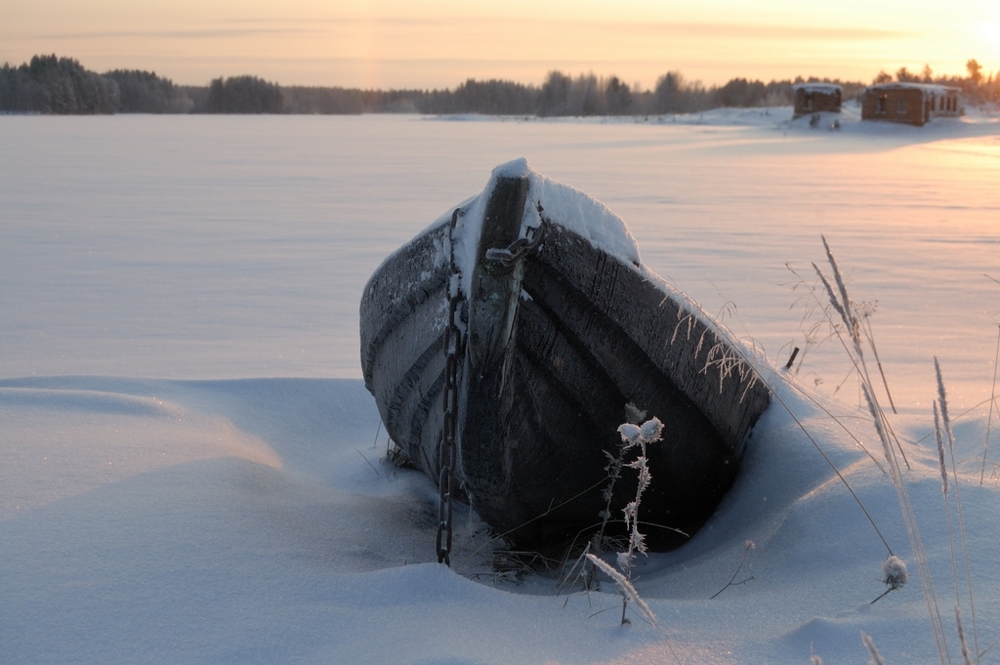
<point>911,103</point>
<point>816,97</point>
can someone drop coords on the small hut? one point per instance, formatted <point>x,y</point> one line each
<point>815,97</point>
<point>911,103</point>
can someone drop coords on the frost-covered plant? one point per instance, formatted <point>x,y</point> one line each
<point>637,436</point>
<point>876,657</point>
<point>894,570</point>
<point>633,416</point>
<point>894,575</point>
<point>854,326</point>
<point>943,435</point>
<point>857,321</point>
<point>633,437</point>
<point>841,302</point>
<point>966,656</point>
<point>614,470</point>
<point>993,406</point>
<point>626,588</point>
<point>732,581</point>
<point>841,317</point>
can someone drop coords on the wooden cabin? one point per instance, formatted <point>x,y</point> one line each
<point>816,97</point>
<point>910,103</point>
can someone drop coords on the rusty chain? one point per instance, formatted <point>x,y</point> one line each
<point>517,249</point>
<point>448,452</point>
<point>454,351</point>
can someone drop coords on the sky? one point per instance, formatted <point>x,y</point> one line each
<point>441,43</point>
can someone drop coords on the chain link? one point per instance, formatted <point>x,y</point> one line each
<point>454,351</point>
<point>448,452</point>
<point>517,249</point>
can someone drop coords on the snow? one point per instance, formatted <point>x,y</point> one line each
<point>908,85</point>
<point>588,217</point>
<point>192,469</point>
<point>817,86</point>
<point>560,204</point>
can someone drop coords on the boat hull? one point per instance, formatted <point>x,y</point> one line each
<point>538,414</point>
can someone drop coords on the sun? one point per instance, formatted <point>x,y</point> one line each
<point>987,38</point>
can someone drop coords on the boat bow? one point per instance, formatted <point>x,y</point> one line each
<point>566,333</point>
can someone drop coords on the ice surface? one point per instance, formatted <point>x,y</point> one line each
<point>192,470</point>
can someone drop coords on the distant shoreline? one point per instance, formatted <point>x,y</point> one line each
<point>52,85</point>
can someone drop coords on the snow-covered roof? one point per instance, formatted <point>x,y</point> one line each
<point>816,86</point>
<point>925,87</point>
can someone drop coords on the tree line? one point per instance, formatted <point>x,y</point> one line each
<point>62,86</point>
<point>976,87</point>
<point>51,85</point>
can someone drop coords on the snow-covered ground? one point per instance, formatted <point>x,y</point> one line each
<point>191,468</point>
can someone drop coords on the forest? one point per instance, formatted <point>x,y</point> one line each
<point>62,86</point>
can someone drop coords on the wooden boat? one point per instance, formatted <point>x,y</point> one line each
<point>563,334</point>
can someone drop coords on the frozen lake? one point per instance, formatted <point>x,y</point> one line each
<point>226,247</point>
<point>191,465</point>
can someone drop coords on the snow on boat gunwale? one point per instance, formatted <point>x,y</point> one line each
<point>563,327</point>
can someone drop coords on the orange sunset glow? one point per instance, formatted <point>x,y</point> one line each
<point>439,44</point>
